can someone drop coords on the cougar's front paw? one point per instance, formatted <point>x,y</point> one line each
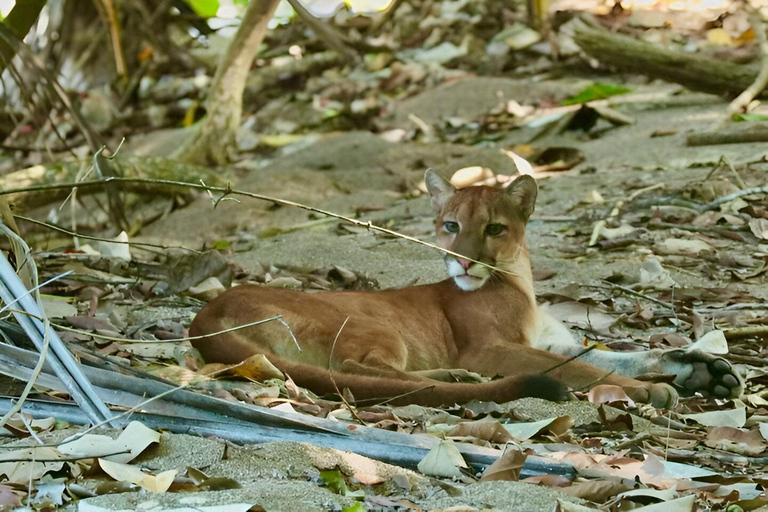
<point>661,396</point>
<point>706,374</point>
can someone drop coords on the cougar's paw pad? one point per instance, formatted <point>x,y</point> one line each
<point>706,374</point>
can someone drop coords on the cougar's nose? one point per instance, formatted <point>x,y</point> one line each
<point>465,264</point>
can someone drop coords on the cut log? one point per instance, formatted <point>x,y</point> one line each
<point>696,72</point>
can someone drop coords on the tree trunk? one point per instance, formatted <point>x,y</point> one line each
<point>214,141</point>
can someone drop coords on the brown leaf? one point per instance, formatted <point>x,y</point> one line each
<point>609,394</point>
<point>491,431</point>
<point>548,480</point>
<point>744,442</point>
<point>90,323</point>
<point>595,490</point>
<point>506,467</point>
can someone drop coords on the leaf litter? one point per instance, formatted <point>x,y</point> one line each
<point>129,314</point>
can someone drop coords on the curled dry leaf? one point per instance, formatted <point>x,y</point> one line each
<point>506,467</point>
<point>126,473</point>
<point>443,460</point>
<point>491,431</point>
<point>128,445</point>
<point>257,368</point>
<point>609,394</point>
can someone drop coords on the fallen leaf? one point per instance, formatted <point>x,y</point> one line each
<point>22,466</point>
<point>506,467</point>
<point>522,431</point>
<point>682,246</point>
<point>444,460</point>
<point>595,490</point>
<point>127,446</point>
<point>744,442</point>
<point>491,431</point>
<point>725,418</point>
<point>608,394</point>
<point>257,368</point>
<point>134,475</point>
<point>759,228</point>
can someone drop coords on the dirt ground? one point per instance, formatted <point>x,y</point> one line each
<point>359,171</point>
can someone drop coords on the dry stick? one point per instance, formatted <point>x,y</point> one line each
<point>756,87</point>
<point>230,191</point>
<point>333,381</point>
<point>730,197</point>
<point>100,239</point>
<point>32,380</point>
<point>277,318</point>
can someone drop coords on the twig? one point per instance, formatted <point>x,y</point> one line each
<point>351,409</point>
<point>730,197</point>
<point>637,294</point>
<point>189,338</point>
<point>230,191</point>
<point>100,239</point>
<point>743,100</point>
<point>562,363</point>
<point>31,382</point>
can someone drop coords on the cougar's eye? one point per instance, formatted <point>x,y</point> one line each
<point>451,227</point>
<point>494,229</point>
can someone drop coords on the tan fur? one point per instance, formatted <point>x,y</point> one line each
<point>391,334</point>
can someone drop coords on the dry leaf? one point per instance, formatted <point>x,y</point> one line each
<point>128,445</point>
<point>608,394</point>
<point>443,460</point>
<point>523,431</point>
<point>744,442</point>
<point>491,431</point>
<point>134,475</point>
<point>257,368</point>
<point>726,418</point>
<point>595,490</point>
<point>506,467</point>
<point>21,467</point>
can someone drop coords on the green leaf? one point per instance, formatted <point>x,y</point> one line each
<point>357,507</point>
<point>204,8</point>
<point>752,118</point>
<point>596,91</point>
<point>334,481</point>
<point>221,245</point>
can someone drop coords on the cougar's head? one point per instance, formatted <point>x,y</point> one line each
<point>484,224</point>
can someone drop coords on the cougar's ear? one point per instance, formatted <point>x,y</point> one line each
<point>440,189</point>
<point>523,192</point>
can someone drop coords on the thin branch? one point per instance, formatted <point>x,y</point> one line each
<point>230,191</point>
<point>743,100</point>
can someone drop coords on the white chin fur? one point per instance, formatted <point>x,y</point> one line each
<point>469,283</point>
<point>474,279</point>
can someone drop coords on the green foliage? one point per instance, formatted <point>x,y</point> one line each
<point>597,91</point>
<point>206,8</point>
<point>752,118</point>
<point>335,483</point>
<point>357,507</point>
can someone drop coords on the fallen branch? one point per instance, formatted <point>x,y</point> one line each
<point>733,134</point>
<point>694,71</point>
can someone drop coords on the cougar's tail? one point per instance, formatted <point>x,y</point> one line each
<point>401,388</point>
